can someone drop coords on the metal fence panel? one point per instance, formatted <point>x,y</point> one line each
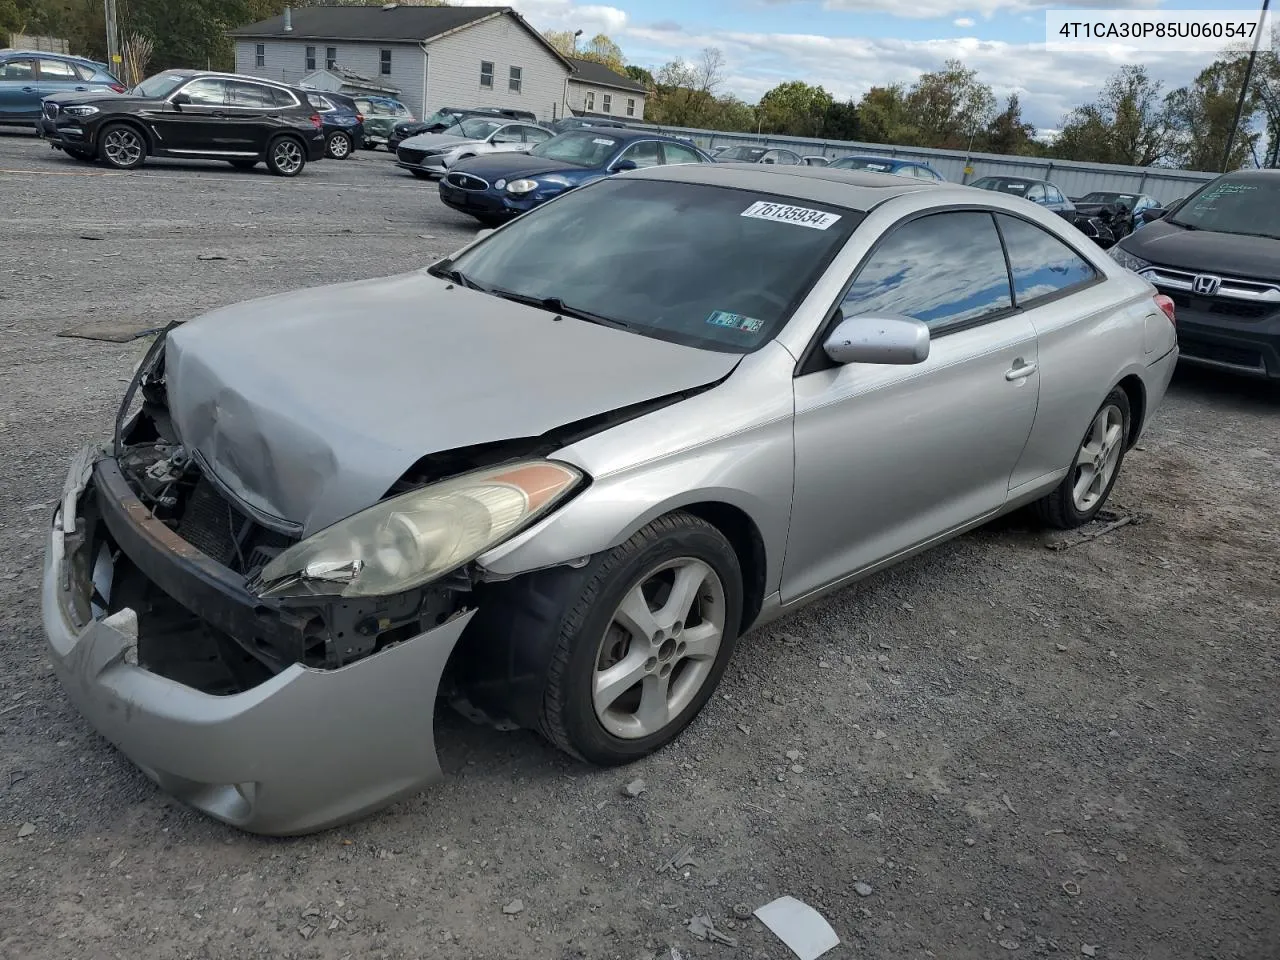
<point>1073,177</point>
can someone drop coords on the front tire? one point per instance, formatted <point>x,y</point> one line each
<point>644,643</point>
<point>122,146</point>
<point>1087,485</point>
<point>338,146</point>
<point>286,156</point>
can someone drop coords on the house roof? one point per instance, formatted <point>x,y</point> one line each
<point>588,71</point>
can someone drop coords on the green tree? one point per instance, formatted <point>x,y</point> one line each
<point>794,108</point>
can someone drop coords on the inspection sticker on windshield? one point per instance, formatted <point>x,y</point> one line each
<point>735,321</point>
<point>784,213</point>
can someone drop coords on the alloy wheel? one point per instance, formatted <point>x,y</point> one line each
<point>1098,458</point>
<point>659,648</point>
<point>123,147</point>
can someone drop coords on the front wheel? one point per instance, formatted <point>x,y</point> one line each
<point>285,157</point>
<point>1087,485</point>
<point>121,146</point>
<point>644,642</point>
<point>338,146</point>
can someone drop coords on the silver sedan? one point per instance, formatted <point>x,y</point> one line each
<point>555,477</point>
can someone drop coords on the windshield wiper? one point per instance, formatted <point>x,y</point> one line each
<point>556,305</point>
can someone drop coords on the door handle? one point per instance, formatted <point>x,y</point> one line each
<point>1020,370</point>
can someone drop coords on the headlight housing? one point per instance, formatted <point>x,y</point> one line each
<point>411,539</point>
<point>1128,260</point>
<point>81,110</point>
<point>522,186</point>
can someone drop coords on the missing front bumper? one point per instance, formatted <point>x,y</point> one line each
<point>305,750</point>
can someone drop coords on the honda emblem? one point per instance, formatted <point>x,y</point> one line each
<point>1206,284</point>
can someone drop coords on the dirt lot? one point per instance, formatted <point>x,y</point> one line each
<point>1024,752</point>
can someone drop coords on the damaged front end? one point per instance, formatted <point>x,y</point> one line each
<point>278,714</point>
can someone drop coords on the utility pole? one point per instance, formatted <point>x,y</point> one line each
<point>1244,87</point>
<point>113,37</point>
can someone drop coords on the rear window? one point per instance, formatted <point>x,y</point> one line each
<point>697,264</point>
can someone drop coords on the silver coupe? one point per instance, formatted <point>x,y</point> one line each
<point>554,478</point>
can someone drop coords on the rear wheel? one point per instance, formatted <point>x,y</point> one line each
<point>285,157</point>
<point>1087,485</point>
<point>338,146</point>
<point>122,146</point>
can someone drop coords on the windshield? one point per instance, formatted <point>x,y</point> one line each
<point>701,265</point>
<point>161,85</point>
<point>1004,185</point>
<point>582,148</point>
<point>864,163</point>
<point>1248,206</point>
<point>1102,196</point>
<point>474,128</point>
<point>741,153</point>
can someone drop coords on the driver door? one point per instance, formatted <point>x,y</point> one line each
<point>889,458</point>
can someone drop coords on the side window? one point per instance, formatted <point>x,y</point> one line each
<point>1042,264</point>
<point>249,95</point>
<point>56,70</point>
<point>946,269</point>
<point>486,74</point>
<point>207,92</point>
<point>646,153</point>
<point>675,153</point>
<point>18,70</point>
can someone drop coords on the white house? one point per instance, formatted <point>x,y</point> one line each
<point>597,91</point>
<point>434,56</point>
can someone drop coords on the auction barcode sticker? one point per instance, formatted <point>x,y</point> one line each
<point>784,213</point>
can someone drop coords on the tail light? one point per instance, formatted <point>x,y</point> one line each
<point>119,87</point>
<point>317,122</point>
<point>1166,306</point>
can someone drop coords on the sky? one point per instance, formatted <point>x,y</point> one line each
<point>848,46</point>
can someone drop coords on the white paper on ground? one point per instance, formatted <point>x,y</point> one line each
<point>803,929</point>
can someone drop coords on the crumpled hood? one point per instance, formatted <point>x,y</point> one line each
<point>1205,251</point>
<point>310,405</point>
<point>426,141</point>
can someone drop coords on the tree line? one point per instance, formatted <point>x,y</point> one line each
<point>1132,120</point>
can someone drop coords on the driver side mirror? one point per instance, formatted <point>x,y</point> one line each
<point>622,165</point>
<point>180,99</point>
<point>885,339</point>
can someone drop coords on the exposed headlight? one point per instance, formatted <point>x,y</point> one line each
<point>83,110</point>
<point>412,539</point>
<point>522,186</point>
<point>1128,260</point>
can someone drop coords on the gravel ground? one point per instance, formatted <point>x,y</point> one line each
<point>1012,751</point>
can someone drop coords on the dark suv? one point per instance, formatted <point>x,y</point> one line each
<point>1217,255</point>
<point>191,115</point>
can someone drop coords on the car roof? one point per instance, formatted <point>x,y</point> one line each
<point>855,189</point>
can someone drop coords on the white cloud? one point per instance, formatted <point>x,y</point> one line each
<point>963,21</point>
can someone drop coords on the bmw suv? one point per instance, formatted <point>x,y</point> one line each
<point>191,115</point>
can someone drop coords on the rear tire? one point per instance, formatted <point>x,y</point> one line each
<point>665,662</point>
<point>338,146</point>
<point>120,145</point>
<point>1084,490</point>
<point>286,156</point>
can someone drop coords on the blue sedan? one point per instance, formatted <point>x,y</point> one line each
<point>895,165</point>
<point>499,187</point>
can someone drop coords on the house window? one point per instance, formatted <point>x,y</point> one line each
<point>590,102</point>
<point>631,107</point>
<point>385,63</point>
<point>514,83</point>
<point>608,102</point>
<point>311,58</point>
<point>330,57</point>
<point>260,55</point>
<point>486,74</point>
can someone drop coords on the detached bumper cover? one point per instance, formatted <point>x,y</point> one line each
<point>306,750</point>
